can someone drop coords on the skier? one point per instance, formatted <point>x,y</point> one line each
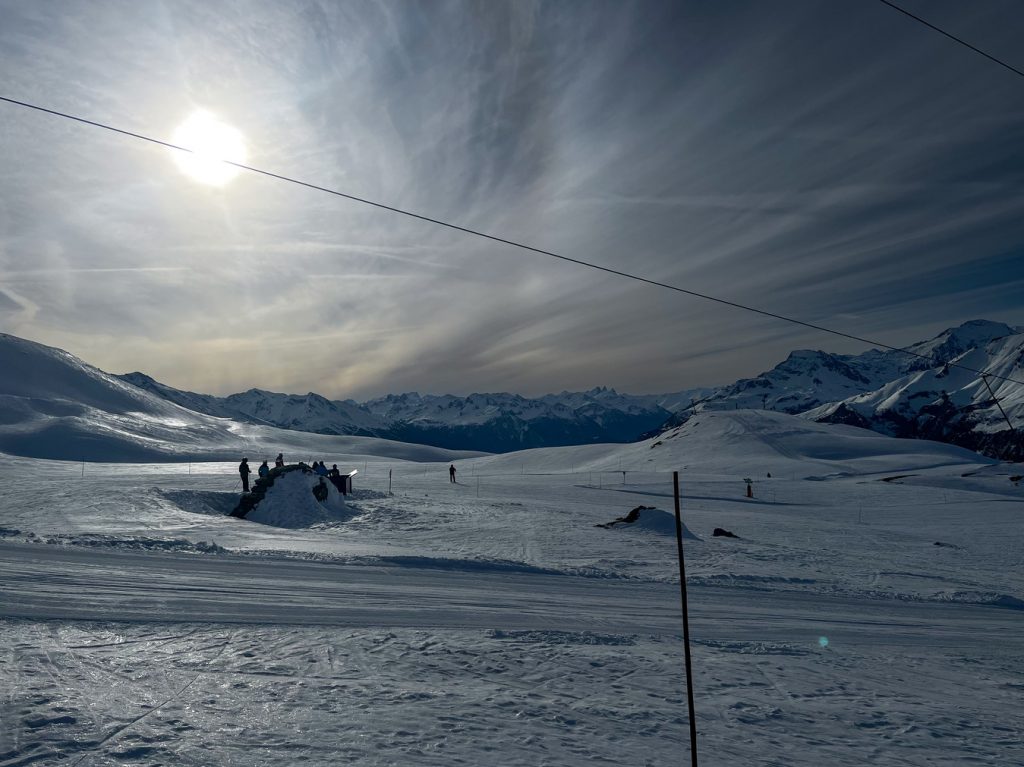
<point>263,470</point>
<point>320,469</point>
<point>451,473</point>
<point>279,461</point>
<point>244,471</point>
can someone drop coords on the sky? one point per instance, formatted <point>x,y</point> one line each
<point>836,162</point>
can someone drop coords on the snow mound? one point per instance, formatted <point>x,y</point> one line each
<point>652,520</point>
<point>290,502</point>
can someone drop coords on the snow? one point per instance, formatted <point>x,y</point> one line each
<point>290,503</point>
<point>907,395</point>
<point>53,405</point>
<point>655,521</point>
<point>491,621</point>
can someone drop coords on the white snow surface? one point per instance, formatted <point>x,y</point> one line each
<point>290,502</point>
<point>870,612</point>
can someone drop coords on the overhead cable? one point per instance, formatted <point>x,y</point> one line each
<point>505,241</point>
<point>953,37</point>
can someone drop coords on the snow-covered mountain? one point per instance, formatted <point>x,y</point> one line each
<point>48,398</point>
<point>495,423</point>
<point>54,405</point>
<point>504,422</point>
<point>919,395</point>
<point>808,379</point>
<point>309,412</point>
<point>947,403</point>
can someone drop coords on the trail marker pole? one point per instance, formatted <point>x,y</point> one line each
<point>83,468</point>
<point>686,623</point>
<point>389,482</point>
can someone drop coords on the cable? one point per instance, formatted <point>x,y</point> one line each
<point>963,42</point>
<point>513,243</point>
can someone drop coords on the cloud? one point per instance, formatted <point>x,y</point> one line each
<point>728,149</point>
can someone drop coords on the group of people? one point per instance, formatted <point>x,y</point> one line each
<point>317,467</point>
<point>332,474</point>
<point>244,471</point>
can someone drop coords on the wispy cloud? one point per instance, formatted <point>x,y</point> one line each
<point>732,149</point>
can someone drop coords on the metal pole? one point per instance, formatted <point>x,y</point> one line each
<point>389,481</point>
<point>686,623</point>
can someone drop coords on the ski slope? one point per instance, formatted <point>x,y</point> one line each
<point>491,621</point>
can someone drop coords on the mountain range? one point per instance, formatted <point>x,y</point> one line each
<point>494,423</point>
<point>48,397</point>
<point>929,390</point>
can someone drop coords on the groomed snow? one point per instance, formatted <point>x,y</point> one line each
<point>491,621</point>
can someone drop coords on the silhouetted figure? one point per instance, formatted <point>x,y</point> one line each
<point>336,479</point>
<point>451,473</point>
<point>279,461</point>
<point>263,470</point>
<point>244,471</point>
<point>320,469</point>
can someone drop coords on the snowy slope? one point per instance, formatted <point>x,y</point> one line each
<point>740,443</point>
<point>489,621</point>
<point>53,405</point>
<point>309,412</point>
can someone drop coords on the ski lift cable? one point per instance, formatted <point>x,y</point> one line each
<point>505,241</point>
<point>953,37</point>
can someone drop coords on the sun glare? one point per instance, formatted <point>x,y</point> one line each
<point>211,142</point>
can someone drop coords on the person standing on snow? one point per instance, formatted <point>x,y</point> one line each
<point>451,473</point>
<point>335,476</point>
<point>263,470</point>
<point>279,461</point>
<point>243,469</point>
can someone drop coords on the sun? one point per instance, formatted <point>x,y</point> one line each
<point>212,142</point>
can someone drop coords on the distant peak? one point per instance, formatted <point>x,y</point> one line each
<point>807,354</point>
<point>987,327</point>
<point>137,376</point>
